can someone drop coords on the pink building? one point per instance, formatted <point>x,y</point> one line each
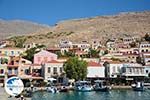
<point>44,56</point>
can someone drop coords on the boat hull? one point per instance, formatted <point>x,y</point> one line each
<point>138,89</point>
<point>84,89</point>
<point>106,89</point>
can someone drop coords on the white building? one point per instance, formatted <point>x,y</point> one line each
<point>133,70</point>
<point>115,68</point>
<point>83,46</point>
<point>95,70</point>
<point>52,68</point>
<point>147,70</point>
<point>144,47</point>
<point>146,57</point>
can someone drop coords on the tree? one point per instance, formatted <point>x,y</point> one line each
<point>69,54</point>
<point>140,60</point>
<point>19,41</point>
<point>75,68</point>
<point>30,53</point>
<point>93,53</point>
<point>147,37</point>
<point>4,61</point>
<point>133,44</point>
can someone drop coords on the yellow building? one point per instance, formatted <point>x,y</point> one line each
<point>11,51</point>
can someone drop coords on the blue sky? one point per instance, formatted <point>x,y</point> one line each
<point>53,11</point>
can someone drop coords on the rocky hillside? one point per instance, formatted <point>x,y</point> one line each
<point>103,27</point>
<point>100,27</point>
<point>18,27</point>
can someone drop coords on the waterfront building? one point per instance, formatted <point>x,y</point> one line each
<point>30,72</point>
<point>44,56</point>
<point>3,71</point>
<point>52,68</point>
<point>133,71</point>
<point>95,70</point>
<point>115,68</point>
<point>12,67</point>
<point>147,70</point>
<point>24,67</point>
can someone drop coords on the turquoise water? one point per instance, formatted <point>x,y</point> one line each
<point>112,95</point>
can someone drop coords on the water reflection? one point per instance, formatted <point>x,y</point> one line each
<point>112,95</point>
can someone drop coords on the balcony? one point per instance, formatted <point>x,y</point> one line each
<point>12,66</point>
<point>133,74</point>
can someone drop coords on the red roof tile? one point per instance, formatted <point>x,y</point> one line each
<point>36,64</point>
<point>81,52</point>
<point>93,64</point>
<point>54,61</point>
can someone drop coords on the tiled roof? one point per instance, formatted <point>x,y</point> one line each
<point>93,64</point>
<point>115,62</point>
<point>36,64</point>
<point>54,61</point>
<point>53,48</point>
<point>9,48</point>
<point>81,52</point>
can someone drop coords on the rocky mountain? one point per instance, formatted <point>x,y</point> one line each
<point>100,27</point>
<point>19,27</point>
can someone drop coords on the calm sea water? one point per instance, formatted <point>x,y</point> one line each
<point>112,95</point>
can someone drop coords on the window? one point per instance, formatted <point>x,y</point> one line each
<point>9,71</point>
<point>16,71</point>
<point>12,52</point>
<point>146,50</point>
<point>18,52</point>
<point>130,70</point>
<point>1,71</point>
<point>142,50</point>
<point>27,72</point>
<point>118,69</point>
<point>55,70</point>
<point>23,62</point>
<point>49,70</point>
<point>147,71</point>
<point>114,69</point>
<point>61,69</point>
<point>6,53</point>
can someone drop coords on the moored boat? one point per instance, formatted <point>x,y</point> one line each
<point>83,86</point>
<point>52,90</point>
<point>101,86</point>
<point>63,89</point>
<point>139,86</point>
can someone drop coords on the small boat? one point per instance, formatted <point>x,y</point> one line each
<point>63,89</point>
<point>139,86</point>
<point>83,86</point>
<point>52,90</point>
<point>101,86</point>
